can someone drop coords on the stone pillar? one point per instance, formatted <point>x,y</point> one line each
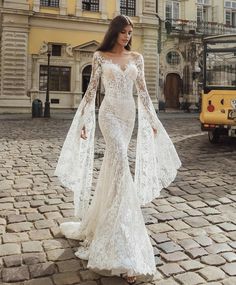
<point>117,9</point>
<point>63,7</point>
<point>151,62</point>
<point>78,9</point>
<point>34,85</point>
<point>14,52</point>
<point>36,6</point>
<point>103,9</point>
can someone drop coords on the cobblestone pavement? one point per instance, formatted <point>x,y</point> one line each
<point>192,224</point>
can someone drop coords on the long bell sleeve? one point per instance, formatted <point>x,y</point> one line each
<point>75,165</point>
<point>156,158</point>
<point>143,94</point>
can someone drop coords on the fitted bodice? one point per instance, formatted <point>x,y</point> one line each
<point>117,81</point>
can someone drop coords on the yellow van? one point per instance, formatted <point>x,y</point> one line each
<point>218,110</point>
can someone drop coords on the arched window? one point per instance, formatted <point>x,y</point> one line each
<point>173,58</point>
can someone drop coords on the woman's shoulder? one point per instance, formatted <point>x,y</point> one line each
<point>138,57</point>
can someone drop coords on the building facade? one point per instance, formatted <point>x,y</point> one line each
<point>183,25</point>
<point>69,31</point>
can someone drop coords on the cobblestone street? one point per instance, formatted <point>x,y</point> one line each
<point>192,224</point>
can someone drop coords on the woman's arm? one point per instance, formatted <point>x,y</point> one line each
<point>143,93</point>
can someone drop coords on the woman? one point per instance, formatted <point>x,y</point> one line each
<point>112,227</point>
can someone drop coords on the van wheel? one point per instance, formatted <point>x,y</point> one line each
<point>214,136</point>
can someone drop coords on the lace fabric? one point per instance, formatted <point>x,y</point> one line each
<point>112,227</point>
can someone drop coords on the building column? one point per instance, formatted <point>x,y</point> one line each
<point>36,7</point>
<point>102,9</point>
<point>117,9</point>
<point>77,97</point>
<point>63,7</point>
<point>78,9</point>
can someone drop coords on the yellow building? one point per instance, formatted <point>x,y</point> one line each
<point>70,31</point>
<point>183,25</point>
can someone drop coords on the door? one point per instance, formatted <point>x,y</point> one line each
<point>172,90</point>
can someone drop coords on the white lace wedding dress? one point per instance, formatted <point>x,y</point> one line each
<point>112,228</point>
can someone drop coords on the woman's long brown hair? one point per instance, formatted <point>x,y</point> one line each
<point>116,26</point>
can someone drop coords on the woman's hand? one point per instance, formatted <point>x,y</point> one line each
<point>83,134</point>
<point>154,131</point>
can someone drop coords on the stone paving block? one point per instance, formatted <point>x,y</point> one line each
<point>88,275</point>
<point>36,203</point>
<point>203,240</point>
<point>178,225</point>
<point>182,207</point>
<point>219,238</point>
<point>20,227</point>
<point>89,283</point>
<point>196,222</point>
<point>19,205</point>
<point>6,206</point>
<point>69,265</point>
<point>66,206</point>
<point>170,269</point>
<point>33,258</point>
<point>9,249</point>
<point>197,204</point>
<point>32,246</point>
<point>188,243</point>
<point>196,252</point>
<point>159,228</point>
<point>228,227</point>
<point>113,281</point>
<point>53,215</point>
<point>16,218</point>
<point>66,278</point>
<point>174,257</point>
<point>14,237</point>
<point>39,281</point>
<point>15,274</point>
<point>60,254</point>
<point>13,260</point>
<point>42,269</point>
<point>230,281</point>
<point>32,217</point>
<point>211,273</point>
<point>163,217</point>
<point>230,268</point>
<point>178,235</point>
<point>209,211</point>
<point>55,243</point>
<point>159,238</point>
<point>169,247</point>
<point>56,232</point>
<point>44,224</point>
<point>170,281</point>
<point>218,248</point>
<point>229,256</point>
<point>213,259</point>
<point>190,265</point>
<point>43,234</point>
<point>189,278</point>
<point>44,209</point>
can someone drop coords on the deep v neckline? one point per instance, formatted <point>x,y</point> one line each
<point>123,68</point>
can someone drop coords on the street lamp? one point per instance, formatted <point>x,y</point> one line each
<point>47,103</point>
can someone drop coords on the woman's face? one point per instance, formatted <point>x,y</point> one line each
<point>124,36</point>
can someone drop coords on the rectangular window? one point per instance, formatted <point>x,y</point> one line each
<point>230,18</point>
<point>90,5</point>
<point>60,77</point>
<point>128,7</point>
<point>49,3</point>
<point>172,10</point>
<point>56,50</point>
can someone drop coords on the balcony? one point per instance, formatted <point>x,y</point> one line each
<point>184,27</point>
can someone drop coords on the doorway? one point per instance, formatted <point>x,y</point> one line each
<point>172,90</point>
